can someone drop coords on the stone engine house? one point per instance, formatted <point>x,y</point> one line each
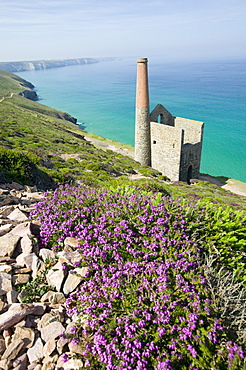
<point>171,145</point>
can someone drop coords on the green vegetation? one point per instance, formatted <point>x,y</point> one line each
<point>35,289</point>
<point>159,292</point>
<point>39,146</point>
<point>188,240</point>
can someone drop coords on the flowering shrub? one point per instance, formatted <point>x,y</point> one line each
<point>144,303</point>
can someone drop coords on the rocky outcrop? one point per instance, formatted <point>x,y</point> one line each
<point>30,333</point>
<point>29,94</point>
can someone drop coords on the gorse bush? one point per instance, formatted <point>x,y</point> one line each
<point>16,165</point>
<point>144,303</point>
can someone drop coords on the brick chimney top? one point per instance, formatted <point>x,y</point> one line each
<point>142,60</point>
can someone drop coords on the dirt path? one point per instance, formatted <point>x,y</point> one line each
<point>6,97</point>
<point>109,146</point>
<point>232,185</point>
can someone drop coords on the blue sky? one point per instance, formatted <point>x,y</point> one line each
<point>174,29</point>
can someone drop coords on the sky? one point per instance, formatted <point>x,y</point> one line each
<point>174,29</point>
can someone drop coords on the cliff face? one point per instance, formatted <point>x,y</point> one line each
<point>44,64</point>
<point>29,94</point>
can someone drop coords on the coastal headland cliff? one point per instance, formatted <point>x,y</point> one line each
<point>46,64</point>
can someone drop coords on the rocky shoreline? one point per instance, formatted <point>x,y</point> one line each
<point>30,333</point>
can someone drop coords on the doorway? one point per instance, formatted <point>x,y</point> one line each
<point>189,174</point>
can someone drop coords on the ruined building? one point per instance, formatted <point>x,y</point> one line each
<point>171,145</point>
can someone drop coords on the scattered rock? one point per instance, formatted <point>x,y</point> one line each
<point>17,215</point>
<point>30,332</point>
<point>16,313</point>
<point>55,276</point>
<point>13,350</point>
<point>8,243</point>
<point>74,279</point>
<point>5,283</point>
<point>26,335</point>
<point>52,331</point>
<point>36,352</point>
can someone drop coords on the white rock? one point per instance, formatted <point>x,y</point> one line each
<point>5,283</point>
<point>69,257</point>
<point>20,259</point>
<point>46,254</point>
<point>26,244</point>
<point>49,347</point>
<point>55,276</point>
<point>22,229</point>
<point>36,352</point>
<point>52,331</point>
<point>74,279</point>
<point>72,364</point>
<point>8,243</point>
<point>17,215</point>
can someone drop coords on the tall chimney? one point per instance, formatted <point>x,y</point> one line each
<point>142,124</point>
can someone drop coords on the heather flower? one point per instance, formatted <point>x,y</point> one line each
<point>65,357</point>
<point>145,298</point>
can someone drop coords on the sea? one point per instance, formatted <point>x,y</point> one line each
<point>102,98</point>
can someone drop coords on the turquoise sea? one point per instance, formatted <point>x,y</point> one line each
<point>102,97</point>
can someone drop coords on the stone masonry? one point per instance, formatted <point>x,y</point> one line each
<point>171,145</point>
<point>142,135</point>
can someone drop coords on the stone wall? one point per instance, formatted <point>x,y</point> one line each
<point>166,143</point>
<point>190,156</point>
<point>193,130</point>
<point>176,144</point>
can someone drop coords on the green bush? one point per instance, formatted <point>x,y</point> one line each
<point>16,166</point>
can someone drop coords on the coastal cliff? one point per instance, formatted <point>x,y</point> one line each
<point>46,64</point>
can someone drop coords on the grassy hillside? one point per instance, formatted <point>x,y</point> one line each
<point>40,146</point>
<point>166,261</point>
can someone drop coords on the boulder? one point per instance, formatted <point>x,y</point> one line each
<point>74,279</point>
<point>8,243</point>
<point>17,215</point>
<point>36,352</point>
<point>13,350</point>
<point>49,347</point>
<point>17,312</point>
<point>25,334</point>
<point>55,276</point>
<point>52,331</point>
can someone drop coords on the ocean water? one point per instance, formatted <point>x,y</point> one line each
<point>102,97</point>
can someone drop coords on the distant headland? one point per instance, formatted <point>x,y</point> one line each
<point>47,64</point>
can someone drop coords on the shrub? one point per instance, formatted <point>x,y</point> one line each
<point>145,303</point>
<point>17,166</point>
